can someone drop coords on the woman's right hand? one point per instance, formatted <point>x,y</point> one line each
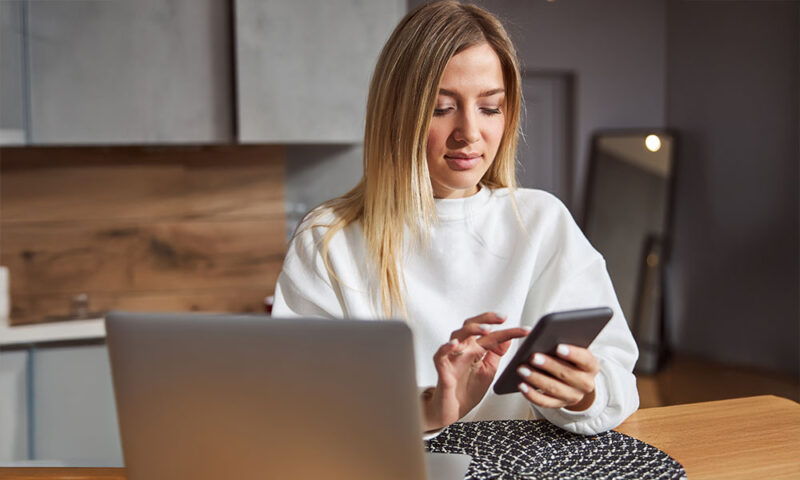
<point>466,366</point>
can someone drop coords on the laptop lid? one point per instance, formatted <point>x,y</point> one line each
<point>232,396</point>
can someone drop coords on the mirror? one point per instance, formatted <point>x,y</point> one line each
<point>626,217</point>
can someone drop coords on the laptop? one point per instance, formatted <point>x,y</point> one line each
<point>206,396</point>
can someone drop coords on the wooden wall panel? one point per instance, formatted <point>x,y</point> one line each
<point>194,228</point>
<point>60,184</point>
<point>195,255</point>
<point>63,258</point>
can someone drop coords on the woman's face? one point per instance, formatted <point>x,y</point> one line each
<point>468,122</point>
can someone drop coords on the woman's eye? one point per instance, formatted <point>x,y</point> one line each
<point>439,111</point>
<point>490,111</point>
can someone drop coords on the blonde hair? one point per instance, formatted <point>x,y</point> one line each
<point>395,191</point>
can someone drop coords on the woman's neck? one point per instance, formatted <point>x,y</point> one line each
<point>453,193</point>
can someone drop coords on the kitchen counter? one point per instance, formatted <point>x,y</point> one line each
<point>88,329</point>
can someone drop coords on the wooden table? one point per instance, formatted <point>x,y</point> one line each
<point>754,437</point>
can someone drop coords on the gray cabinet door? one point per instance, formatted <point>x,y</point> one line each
<point>14,405</point>
<point>130,72</point>
<point>303,67</point>
<point>13,97</point>
<point>74,414</point>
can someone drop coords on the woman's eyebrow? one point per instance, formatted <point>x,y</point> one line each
<point>487,93</point>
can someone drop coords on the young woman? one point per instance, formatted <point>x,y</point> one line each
<point>437,233</point>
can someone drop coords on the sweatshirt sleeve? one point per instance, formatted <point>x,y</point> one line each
<point>575,276</point>
<point>304,286</point>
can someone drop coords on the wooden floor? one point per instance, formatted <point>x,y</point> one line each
<point>689,380</point>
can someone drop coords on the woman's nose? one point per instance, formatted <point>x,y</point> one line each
<point>467,130</point>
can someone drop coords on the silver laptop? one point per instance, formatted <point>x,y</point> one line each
<point>204,396</point>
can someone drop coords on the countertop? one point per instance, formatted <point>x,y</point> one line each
<point>88,329</point>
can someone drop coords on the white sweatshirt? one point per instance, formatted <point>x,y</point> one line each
<point>479,259</point>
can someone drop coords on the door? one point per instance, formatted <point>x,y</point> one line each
<point>544,155</point>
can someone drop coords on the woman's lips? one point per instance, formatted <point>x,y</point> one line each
<point>462,162</point>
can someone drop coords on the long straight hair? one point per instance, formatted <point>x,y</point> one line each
<point>395,195</point>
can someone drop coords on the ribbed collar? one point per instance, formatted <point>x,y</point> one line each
<point>458,208</point>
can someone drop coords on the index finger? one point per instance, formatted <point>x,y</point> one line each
<point>581,357</point>
<point>487,317</point>
<point>490,340</point>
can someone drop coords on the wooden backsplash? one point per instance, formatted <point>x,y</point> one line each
<point>139,228</point>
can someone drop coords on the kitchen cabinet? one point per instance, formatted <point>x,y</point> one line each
<point>303,67</point>
<point>61,400</point>
<point>74,413</point>
<point>13,405</point>
<point>141,72</point>
<point>88,72</point>
<point>13,95</point>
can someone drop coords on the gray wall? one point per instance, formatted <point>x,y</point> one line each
<point>733,96</point>
<point>316,173</point>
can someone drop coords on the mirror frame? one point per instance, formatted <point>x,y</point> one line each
<point>651,285</point>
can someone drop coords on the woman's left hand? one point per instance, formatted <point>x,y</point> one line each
<point>570,382</point>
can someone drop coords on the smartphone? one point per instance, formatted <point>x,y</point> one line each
<point>573,327</point>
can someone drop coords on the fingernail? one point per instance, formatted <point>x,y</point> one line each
<point>563,350</point>
<point>523,388</point>
<point>524,371</point>
<point>527,329</point>
<point>538,359</point>
<point>484,327</point>
<point>501,315</point>
<point>453,342</point>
